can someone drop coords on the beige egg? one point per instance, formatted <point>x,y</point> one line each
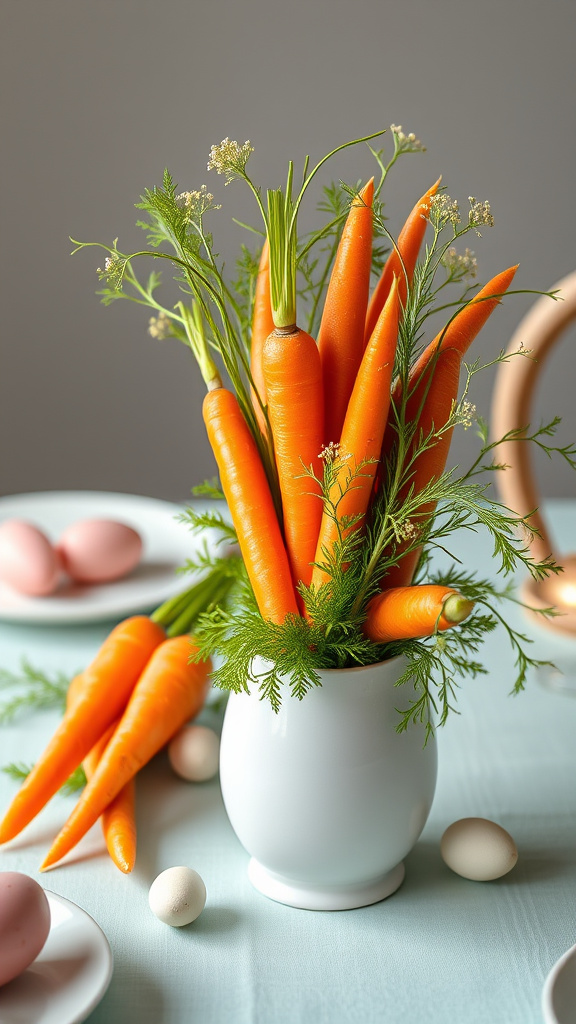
<point>478,849</point>
<point>194,753</point>
<point>177,896</point>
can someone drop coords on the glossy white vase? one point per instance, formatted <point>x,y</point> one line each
<point>326,796</point>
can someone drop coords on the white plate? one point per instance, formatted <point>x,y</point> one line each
<point>68,978</point>
<point>559,995</point>
<point>167,543</point>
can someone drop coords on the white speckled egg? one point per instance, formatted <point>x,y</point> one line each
<point>28,561</point>
<point>99,550</point>
<point>177,896</point>
<point>478,849</point>
<point>194,753</point>
<point>24,923</point>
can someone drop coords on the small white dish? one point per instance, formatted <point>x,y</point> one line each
<point>559,994</point>
<point>68,978</point>
<point>167,543</point>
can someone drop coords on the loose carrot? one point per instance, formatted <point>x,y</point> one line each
<point>169,692</point>
<point>406,613</point>
<point>118,820</point>
<point>251,505</point>
<point>341,333</point>
<point>107,683</point>
<point>433,388</point>
<point>363,430</point>
<point>293,376</point>
<point>262,326</point>
<point>401,261</point>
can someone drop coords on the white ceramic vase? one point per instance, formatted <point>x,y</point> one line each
<point>326,796</point>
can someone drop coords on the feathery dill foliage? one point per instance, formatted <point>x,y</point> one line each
<point>19,771</point>
<point>30,689</point>
<point>214,320</point>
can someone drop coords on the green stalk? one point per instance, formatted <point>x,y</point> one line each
<point>194,326</point>
<point>282,238</point>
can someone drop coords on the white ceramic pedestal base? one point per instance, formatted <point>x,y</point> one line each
<point>329,897</point>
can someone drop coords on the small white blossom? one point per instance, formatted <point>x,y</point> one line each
<point>466,414</point>
<point>160,327</point>
<point>408,143</point>
<point>444,209</point>
<point>229,158</point>
<point>330,452</point>
<point>111,265</point>
<point>479,214</point>
<point>408,531</point>
<point>196,203</point>
<point>460,264</point>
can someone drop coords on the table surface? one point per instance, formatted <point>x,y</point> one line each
<point>442,950</point>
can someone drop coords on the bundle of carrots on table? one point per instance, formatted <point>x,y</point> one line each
<point>331,445</point>
<point>139,690</point>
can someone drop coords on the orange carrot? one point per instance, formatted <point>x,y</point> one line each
<point>341,334</point>
<point>107,683</point>
<point>251,505</point>
<point>433,388</point>
<point>169,692</point>
<point>118,820</point>
<point>262,326</point>
<point>409,241</point>
<point>293,376</point>
<point>406,613</point>
<point>363,430</point>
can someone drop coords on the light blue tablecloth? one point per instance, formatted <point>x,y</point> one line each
<point>442,950</point>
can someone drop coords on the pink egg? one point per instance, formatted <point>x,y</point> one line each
<point>28,561</point>
<point>99,550</point>
<point>24,923</point>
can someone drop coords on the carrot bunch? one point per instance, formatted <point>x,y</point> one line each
<point>331,435</point>
<point>139,690</point>
<point>338,397</point>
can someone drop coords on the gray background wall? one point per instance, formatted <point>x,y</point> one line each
<point>98,97</point>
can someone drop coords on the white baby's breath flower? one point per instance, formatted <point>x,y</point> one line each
<point>443,209</point>
<point>196,203</point>
<point>460,264</point>
<point>407,142</point>
<point>229,158</point>
<point>480,214</point>
<point>159,327</point>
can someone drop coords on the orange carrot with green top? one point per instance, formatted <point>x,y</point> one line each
<point>169,692</point>
<point>107,683</point>
<point>406,613</point>
<point>341,333</point>
<point>262,326</point>
<point>433,390</point>
<point>251,505</point>
<point>363,430</point>
<point>401,262</point>
<point>293,376</point>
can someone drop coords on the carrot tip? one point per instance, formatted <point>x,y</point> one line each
<point>457,608</point>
